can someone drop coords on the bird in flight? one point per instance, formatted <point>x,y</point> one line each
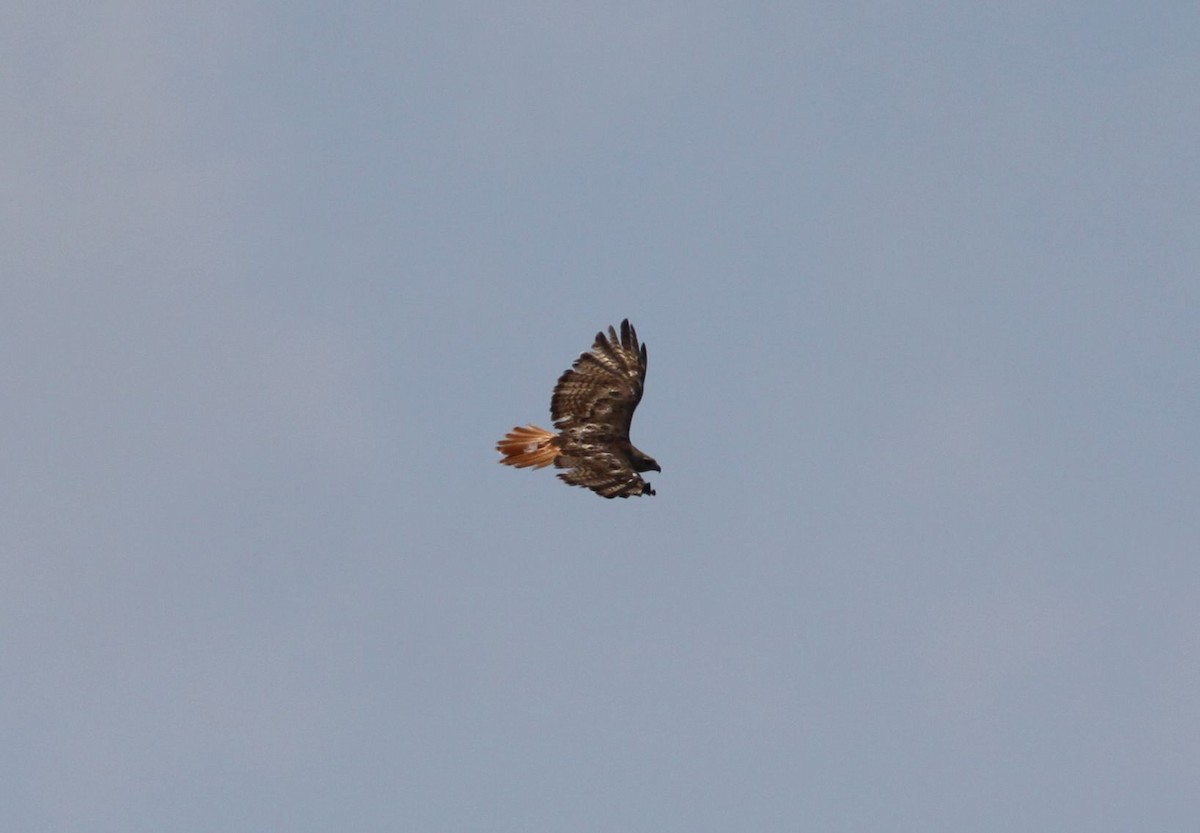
<point>592,408</point>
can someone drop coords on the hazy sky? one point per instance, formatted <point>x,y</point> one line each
<point>919,284</point>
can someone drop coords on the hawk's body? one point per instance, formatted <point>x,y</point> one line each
<point>592,409</point>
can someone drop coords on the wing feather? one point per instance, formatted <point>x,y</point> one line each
<point>603,472</point>
<point>604,386</point>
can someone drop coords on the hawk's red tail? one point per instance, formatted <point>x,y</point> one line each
<point>528,445</point>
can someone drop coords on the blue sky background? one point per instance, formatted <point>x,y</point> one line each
<point>919,285</point>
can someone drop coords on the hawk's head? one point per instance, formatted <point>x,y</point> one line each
<point>643,462</point>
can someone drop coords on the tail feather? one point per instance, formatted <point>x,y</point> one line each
<point>528,445</point>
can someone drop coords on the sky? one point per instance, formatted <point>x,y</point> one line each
<point>919,287</point>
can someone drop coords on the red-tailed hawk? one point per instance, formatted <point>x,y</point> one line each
<point>592,408</point>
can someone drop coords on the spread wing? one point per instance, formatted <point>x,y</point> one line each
<point>596,468</point>
<point>592,408</point>
<point>604,385</point>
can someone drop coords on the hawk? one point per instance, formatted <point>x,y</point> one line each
<point>592,408</point>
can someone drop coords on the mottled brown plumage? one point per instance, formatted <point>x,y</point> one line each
<point>592,408</point>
